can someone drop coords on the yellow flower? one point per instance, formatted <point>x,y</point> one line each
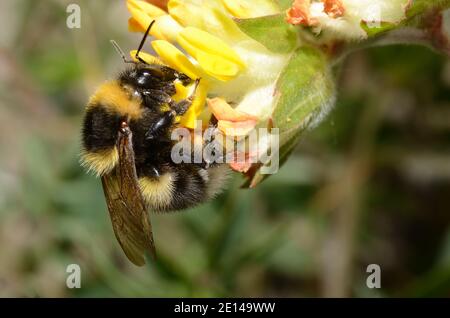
<point>201,39</point>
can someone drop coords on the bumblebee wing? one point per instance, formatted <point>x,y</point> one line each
<point>126,205</point>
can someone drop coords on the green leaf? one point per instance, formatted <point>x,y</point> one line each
<point>271,31</point>
<point>422,6</point>
<point>305,87</point>
<point>374,31</point>
<point>306,92</point>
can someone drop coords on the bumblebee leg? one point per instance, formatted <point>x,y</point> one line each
<point>157,95</point>
<point>181,107</point>
<point>185,80</point>
<point>178,109</point>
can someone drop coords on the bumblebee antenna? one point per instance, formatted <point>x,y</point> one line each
<point>120,52</point>
<point>141,45</point>
<point>143,41</point>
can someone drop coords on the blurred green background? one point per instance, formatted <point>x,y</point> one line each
<point>370,185</point>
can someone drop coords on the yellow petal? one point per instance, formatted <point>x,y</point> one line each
<point>186,13</point>
<point>164,28</point>
<point>175,58</point>
<point>170,28</point>
<point>148,58</point>
<point>212,64</point>
<point>207,15</point>
<point>217,66</point>
<point>197,108</point>
<point>246,9</point>
<point>182,91</point>
<point>134,26</point>
<point>205,117</point>
<point>143,20</point>
<point>147,8</point>
<point>214,56</point>
<point>199,40</point>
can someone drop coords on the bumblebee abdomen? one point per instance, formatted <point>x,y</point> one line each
<point>182,186</point>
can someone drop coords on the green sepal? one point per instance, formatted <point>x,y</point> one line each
<point>272,31</point>
<point>305,93</point>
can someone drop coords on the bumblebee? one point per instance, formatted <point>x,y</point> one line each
<point>126,140</point>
